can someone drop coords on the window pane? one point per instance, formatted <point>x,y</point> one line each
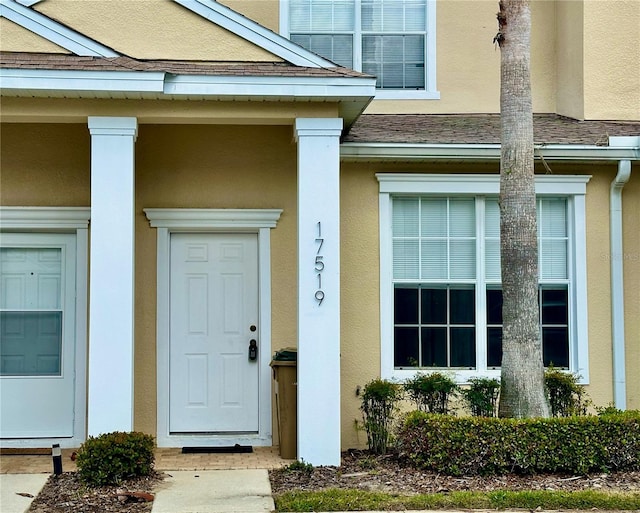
<point>494,306</point>
<point>31,343</point>
<point>406,347</point>
<point>397,71</point>
<point>494,347</point>
<point>555,347</point>
<point>392,75</point>
<point>492,259</point>
<point>405,259</point>
<point>336,48</point>
<point>434,260</point>
<point>463,259</point>
<point>463,306</point>
<point>406,306</point>
<point>463,347</point>
<point>433,216</point>
<point>344,15</point>
<point>415,15</point>
<point>434,306</point>
<point>553,259</point>
<point>300,15</point>
<point>554,306</point>
<point>462,213</point>
<point>392,16</point>
<point>405,217</point>
<point>434,347</point>
<point>552,217</point>
<point>371,15</point>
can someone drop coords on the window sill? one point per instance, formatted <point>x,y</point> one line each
<point>400,94</point>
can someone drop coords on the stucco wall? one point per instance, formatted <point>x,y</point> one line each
<point>570,58</point>
<point>17,39</point>
<point>203,166</point>
<point>152,29</point>
<point>211,167</point>
<point>612,59</point>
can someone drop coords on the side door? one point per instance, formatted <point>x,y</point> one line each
<point>37,335</point>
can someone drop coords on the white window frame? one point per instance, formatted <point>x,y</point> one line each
<point>33,222</point>
<point>573,187</point>
<point>185,220</point>
<point>429,93</point>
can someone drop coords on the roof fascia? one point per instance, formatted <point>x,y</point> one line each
<point>425,152</point>
<point>255,33</point>
<point>12,80</point>
<point>53,31</point>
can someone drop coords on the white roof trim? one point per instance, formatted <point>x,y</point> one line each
<point>255,33</point>
<point>29,3</point>
<point>182,85</point>
<point>52,30</point>
<point>418,152</point>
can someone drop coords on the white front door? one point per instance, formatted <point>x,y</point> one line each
<point>37,335</point>
<point>213,378</point>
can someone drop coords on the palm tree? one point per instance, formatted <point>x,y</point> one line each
<point>522,392</point>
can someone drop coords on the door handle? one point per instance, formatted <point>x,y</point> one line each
<point>253,349</point>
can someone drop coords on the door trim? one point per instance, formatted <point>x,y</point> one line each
<point>73,220</point>
<point>168,221</point>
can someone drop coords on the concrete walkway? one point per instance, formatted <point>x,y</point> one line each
<point>214,491</point>
<point>15,490</point>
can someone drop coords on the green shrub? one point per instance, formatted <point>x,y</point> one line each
<point>566,396</point>
<point>379,401</point>
<point>483,445</point>
<point>108,459</point>
<point>431,392</point>
<point>482,396</point>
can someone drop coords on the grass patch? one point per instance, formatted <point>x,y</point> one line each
<point>361,500</point>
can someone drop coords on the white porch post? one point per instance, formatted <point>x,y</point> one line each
<point>110,402</point>
<point>319,290</point>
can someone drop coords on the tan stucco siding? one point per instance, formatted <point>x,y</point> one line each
<point>264,12</point>
<point>631,256</point>
<point>17,39</point>
<point>570,58</point>
<point>612,59</point>
<point>212,167</point>
<point>153,29</point>
<point>468,63</point>
<point>45,165</point>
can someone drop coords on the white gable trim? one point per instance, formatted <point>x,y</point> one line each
<point>29,3</point>
<point>255,33</point>
<point>52,30</point>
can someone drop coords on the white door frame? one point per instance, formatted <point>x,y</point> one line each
<point>73,220</point>
<point>168,221</point>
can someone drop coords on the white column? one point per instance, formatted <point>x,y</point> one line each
<point>319,290</point>
<point>111,300</point>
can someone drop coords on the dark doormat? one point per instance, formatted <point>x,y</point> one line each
<point>19,451</point>
<point>224,449</point>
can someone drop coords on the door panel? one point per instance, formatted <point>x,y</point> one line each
<point>214,300</point>
<point>37,336</point>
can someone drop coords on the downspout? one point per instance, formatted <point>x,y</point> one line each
<point>617,281</point>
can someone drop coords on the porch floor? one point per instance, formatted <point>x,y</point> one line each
<point>25,461</point>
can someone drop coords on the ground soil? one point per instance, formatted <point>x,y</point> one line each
<point>360,470</point>
<point>67,494</point>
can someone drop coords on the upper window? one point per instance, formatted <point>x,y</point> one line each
<point>440,272</point>
<point>390,39</point>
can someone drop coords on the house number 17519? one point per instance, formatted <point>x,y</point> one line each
<point>319,265</point>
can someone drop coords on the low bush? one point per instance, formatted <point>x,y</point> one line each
<point>379,401</point>
<point>482,396</point>
<point>566,396</point>
<point>482,445</point>
<point>110,458</point>
<point>431,392</point>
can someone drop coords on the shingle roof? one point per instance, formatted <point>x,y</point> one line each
<point>481,129</point>
<point>48,61</point>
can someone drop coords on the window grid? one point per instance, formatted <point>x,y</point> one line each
<point>406,70</point>
<point>487,329</point>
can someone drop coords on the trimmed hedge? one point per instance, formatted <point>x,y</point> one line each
<point>112,457</point>
<point>479,445</point>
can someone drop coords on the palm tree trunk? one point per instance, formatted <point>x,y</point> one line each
<point>522,393</point>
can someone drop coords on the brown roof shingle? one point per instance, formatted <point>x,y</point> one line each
<point>481,129</point>
<point>47,61</point>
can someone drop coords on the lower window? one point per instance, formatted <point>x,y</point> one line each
<point>445,295</point>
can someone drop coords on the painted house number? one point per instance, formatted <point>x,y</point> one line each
<point>319,265</point>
